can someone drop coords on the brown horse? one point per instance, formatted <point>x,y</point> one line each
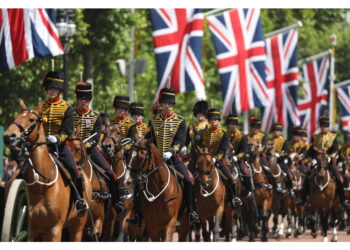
<point>322,195</point>
<point>112,148</point>
<point>50,205</point>
<point>98,183</point>
<point>160,193</point>
<point>210,193</point>
<point>262,195</point>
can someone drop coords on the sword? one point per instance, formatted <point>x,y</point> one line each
<point>94,134</point>
<point>252,187</point>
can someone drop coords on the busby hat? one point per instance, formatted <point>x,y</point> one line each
<point>277,127</point>
<point>303,132</point>
<point>136,108</point>
<point>200,107</point>
<point>167,95</point>
<point>232,119</point>
<point>54,79</point>
<point>214,114</point>
<point>324,121</point>
<point>83,90</point>
<point>156,109</point>
<point>297,130</point>
<point>121,101</point>
<point>255,122</point>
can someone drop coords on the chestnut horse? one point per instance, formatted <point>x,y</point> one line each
<point>322,196</point>
<point>51,208</point>
<point>160,192</point>
<point>98,183</point>
<point>262,195</point>
<point>210,194</point>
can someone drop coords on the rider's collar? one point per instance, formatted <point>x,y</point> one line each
<point>121,118</point>
<point>57,100</point>
<point>139,124</point>
<point>83,112</point>
<point>168,116</point>
<point>215,129</point>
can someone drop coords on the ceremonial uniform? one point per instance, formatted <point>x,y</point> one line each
<point>123,122</point>
<point>297,145</point>
<point>216,140</point>
<point>58,123</point>
<point>138,130</point>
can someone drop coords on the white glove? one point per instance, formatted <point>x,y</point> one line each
<point>214,160</point>
<point>167,156</point>
<point>329,159</point>
<point>234,158</point>
<point>277,155</point>
<point>314,162</point>
<point>51,139</point>
<point>183,150</point>
<point>285,161</point>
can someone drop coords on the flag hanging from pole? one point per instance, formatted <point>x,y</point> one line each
<point>282,80</point>
<point>177,38</point>
<point>343,94</point>
<point>240,52</point>
<point>316,88</point>
<point>27,33</point>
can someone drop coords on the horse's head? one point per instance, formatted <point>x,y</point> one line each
<point>205,166</point>
<point>111,141</point>
<point>77,146</point>
<point>269,147</point>
<point>25,128</point>
<point>144,156</point>
<point>297,177</point>
<point>323,161</point>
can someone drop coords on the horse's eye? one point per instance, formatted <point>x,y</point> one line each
<point>31,120</point>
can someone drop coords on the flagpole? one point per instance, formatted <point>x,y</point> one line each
<point>246,122</point>
<point>283,30</point>
<point>315,57</point>
<point>215,11</point>
<point>131,62</point>
<point>332,106</point>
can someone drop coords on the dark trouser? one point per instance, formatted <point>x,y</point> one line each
<point>97,157</point>
<point>244,173</point>
<point>230,184</point>
<point>288,177</point>
<point>179,166</point>
<point>267,171</point>
<point>66,157</point>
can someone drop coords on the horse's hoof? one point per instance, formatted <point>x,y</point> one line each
<point>314,235</point>
<point>288,235</point>
<point>325,239</point>
<point>348,232</point>
<point>334,239</point>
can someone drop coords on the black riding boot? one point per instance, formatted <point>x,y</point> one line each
<point>137,215</point>
<point>248,186</point>
<point>194,217</point>
<point>78,188</point>
<point>272,181</point>
<point>304,193</point>
<point>289,186</point>
<point>235,201</point>
<point>116,203</point>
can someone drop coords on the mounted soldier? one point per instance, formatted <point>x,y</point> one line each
<point>58,121</point>
<point>90,123</point>
<point>121,105</point>
<point>168,133</point>
<point>216,140</point>
<point>239,146</point>
<point>298,146</point>
<point>139,129</point>
<point>260,139</point>
<point>325,143</point>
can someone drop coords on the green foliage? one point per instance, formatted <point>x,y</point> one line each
<point>103,36</point>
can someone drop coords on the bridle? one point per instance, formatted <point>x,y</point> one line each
<point>82,152</point>
<point>26,133</point>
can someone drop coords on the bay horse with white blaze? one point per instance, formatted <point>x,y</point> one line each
<point>51,208</point>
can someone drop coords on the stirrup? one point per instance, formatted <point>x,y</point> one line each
<point>81,206</point>
<point>291,194</point>
<point>236,202</point>
<point>250,195</point>
<point>299,202</point>
<point>119,207</point>
<point>346,204</point>
<point>194,217</point>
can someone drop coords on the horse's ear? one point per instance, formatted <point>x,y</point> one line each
<point>22,105</point>
<point>198,148</point>
<point>39,108</point>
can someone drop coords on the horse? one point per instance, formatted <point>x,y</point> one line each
<point>281,204</point>
<point>210,192</point>
<point>98,183</point>
<point>51,208</point>
<point>160,193</point>
<point>345,166</point>
<point>322,196</point>
<point>113,149</point>
<point>260,203</point>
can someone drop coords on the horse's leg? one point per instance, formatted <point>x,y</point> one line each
<point>234,228</point>
<point>170,229</point>
<point>205,231</point>
<point>218,218</point>
<point>54,236</point>
<point>264,220</point>
<point>324,224</point>
<point>290,223</point>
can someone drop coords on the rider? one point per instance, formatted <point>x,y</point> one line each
<point>239,145</point>
<point>90,123</point>
<point>280,149</point>
<point>57,116</point>
<point>344,151</point>
<point>121,105</point>
<point>195,128</point>
<point>139,129</point>
<point>325,142</point>
<point>216,140</point>
<point>168,132</point>
<point>260,139</point>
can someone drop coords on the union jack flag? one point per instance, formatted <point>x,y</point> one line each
<point>177,37</point>
<point>343,94</point>
<point>27,33</point>
<point>282,80</point>
<point>315,87</point>
<point>240,53</point>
